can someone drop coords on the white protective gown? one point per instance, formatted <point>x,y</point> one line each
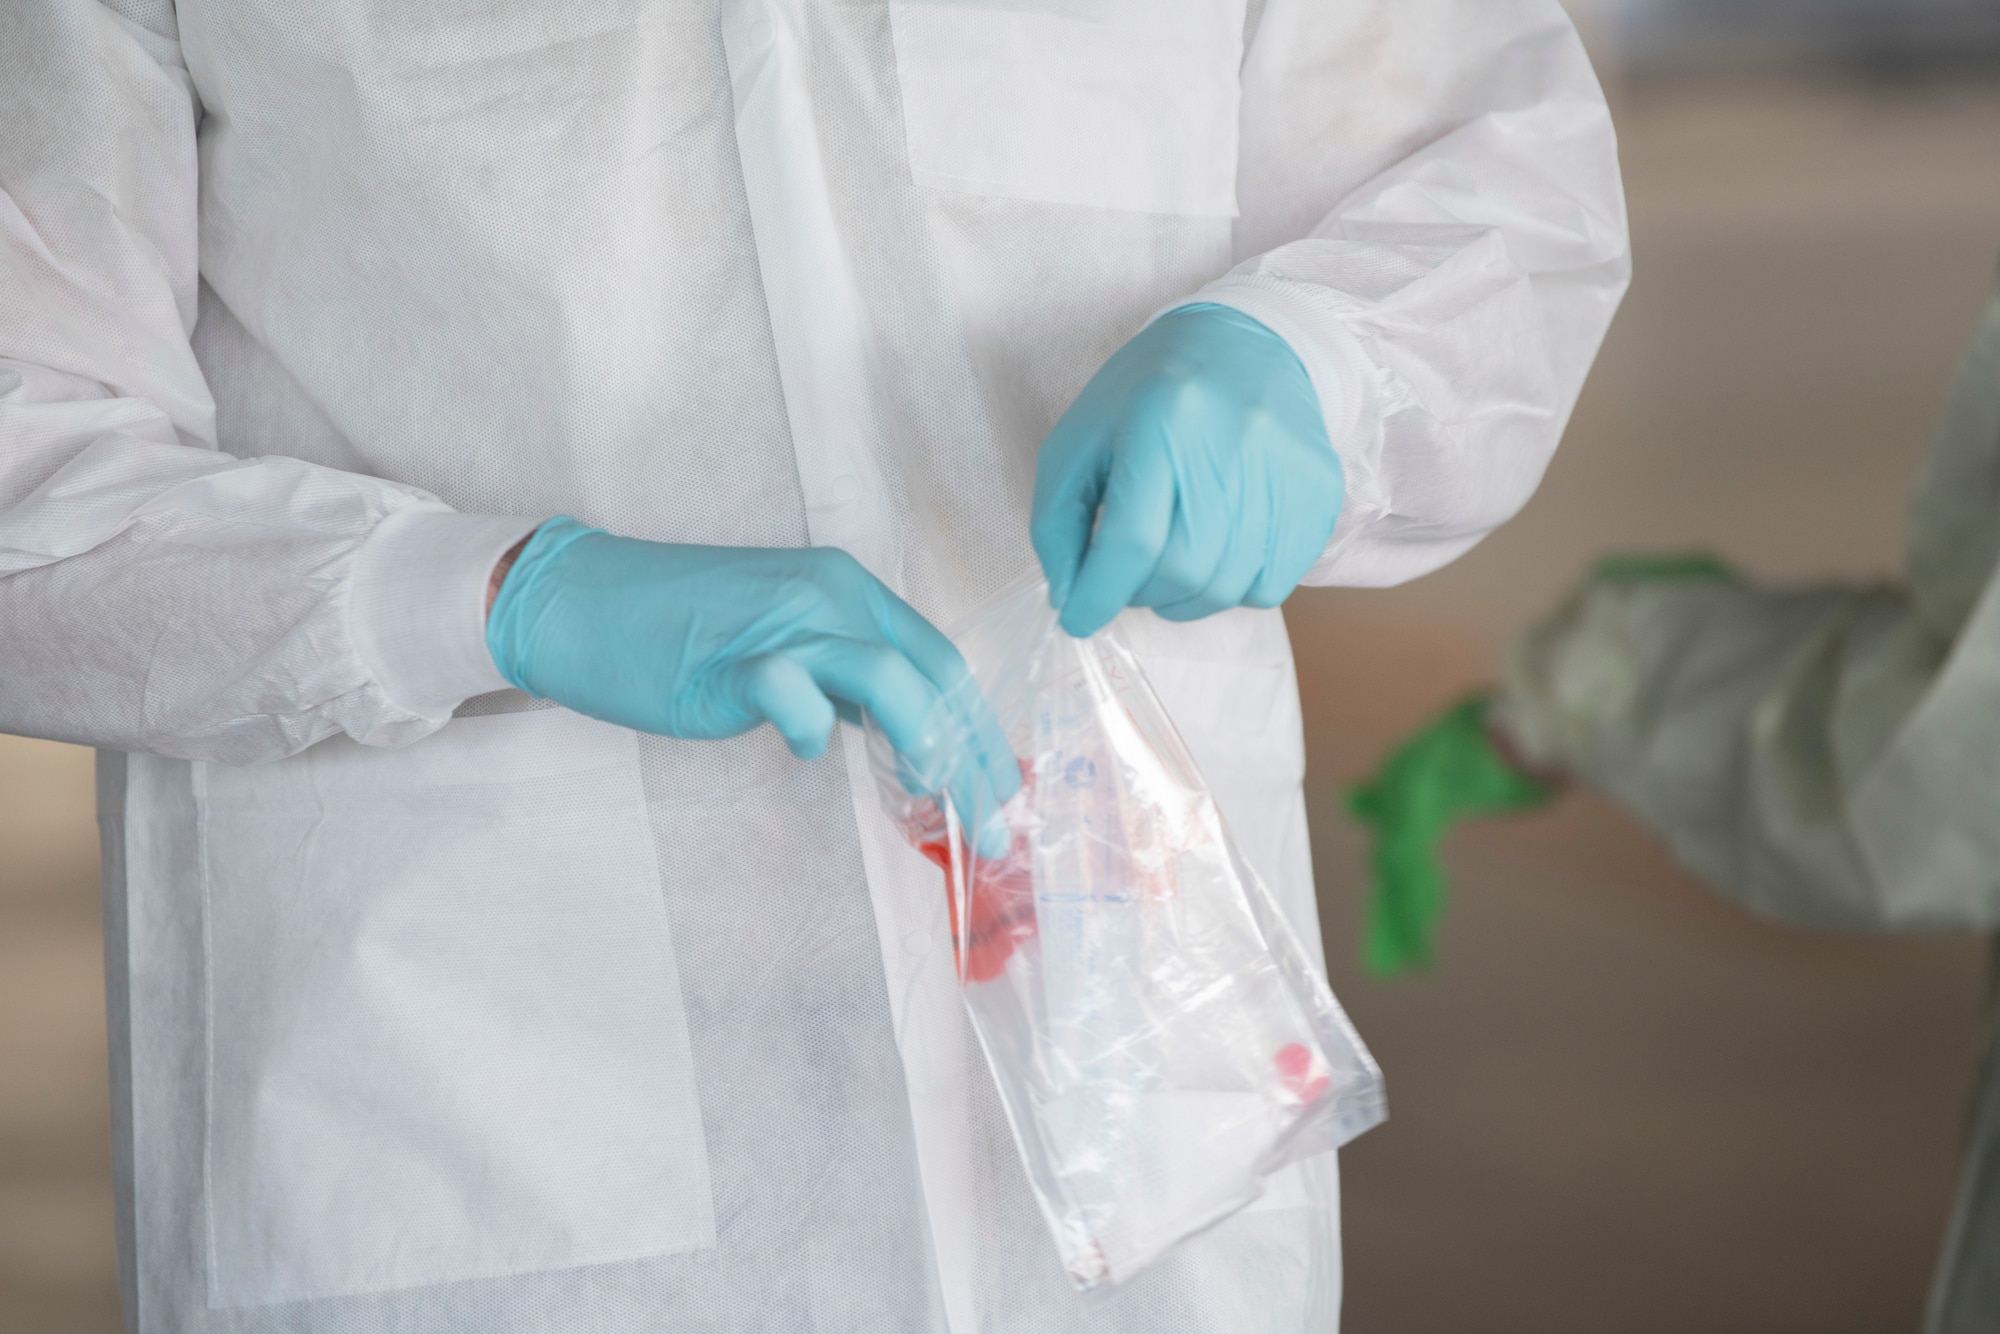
<point>435,1015</point>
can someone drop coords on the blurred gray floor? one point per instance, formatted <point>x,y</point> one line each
<point>1617,1105</point>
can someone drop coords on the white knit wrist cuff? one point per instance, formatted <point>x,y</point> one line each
<point>417,605</point>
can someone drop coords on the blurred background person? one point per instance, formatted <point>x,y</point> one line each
<point>1617,1103</point>
<point>1618,1106</point>
<point>1828,756</point>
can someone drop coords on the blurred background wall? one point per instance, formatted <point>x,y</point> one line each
<point>58,1272</point>
<point>1617,1104</point>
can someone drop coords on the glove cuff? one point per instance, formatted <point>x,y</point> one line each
<point>510,626</point>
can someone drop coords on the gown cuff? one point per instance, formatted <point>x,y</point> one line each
<point>417,606</point>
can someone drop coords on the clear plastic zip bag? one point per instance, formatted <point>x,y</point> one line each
<point>1160,1039</point>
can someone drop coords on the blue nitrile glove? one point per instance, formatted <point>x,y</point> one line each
<point>708,642</point>
<point>1202,444</point>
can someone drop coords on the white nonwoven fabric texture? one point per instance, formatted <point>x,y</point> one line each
<point>273,272</point>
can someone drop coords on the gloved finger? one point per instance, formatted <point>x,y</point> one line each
<point>1280,577</point>
<point>944,666</point>
<point>970,745</point>
<point>783,693</point>
<point>884,684</point>
<point>1304,511</point>
<point>1241,564</point>
<point>934,750</point>
<point>1201,532</point>
<point>1131,533</point>
<point>1274,585</point>
<point>1070,474</point>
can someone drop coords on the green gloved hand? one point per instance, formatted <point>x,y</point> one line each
<point>1447,772</point>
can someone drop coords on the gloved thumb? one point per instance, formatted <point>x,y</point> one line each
<point>783,693</point>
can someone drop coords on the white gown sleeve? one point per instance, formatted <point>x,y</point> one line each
<point>156,594</point>
<point>1829,756</point>
<point>1432,218</point>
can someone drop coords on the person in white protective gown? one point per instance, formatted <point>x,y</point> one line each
<point>1828,756</point>
<point>436,1006</point>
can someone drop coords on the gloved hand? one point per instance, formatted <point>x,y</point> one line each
<point>1202,444</point>
<point>708,642</point>
<point>1449,771</point>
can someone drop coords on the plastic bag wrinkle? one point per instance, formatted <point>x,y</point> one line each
<point>1161,1041</point>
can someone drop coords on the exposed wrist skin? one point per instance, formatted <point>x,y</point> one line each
<point>500,569</point>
